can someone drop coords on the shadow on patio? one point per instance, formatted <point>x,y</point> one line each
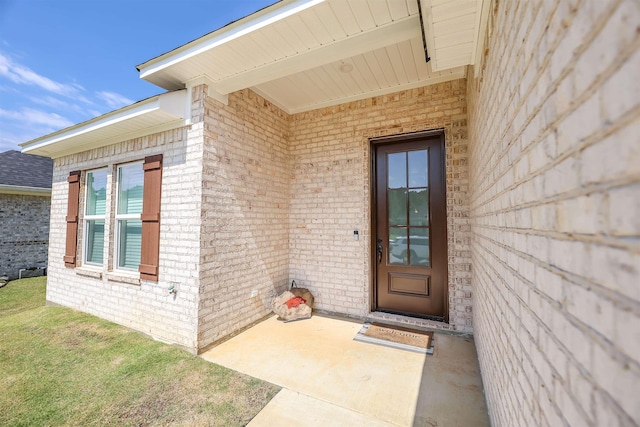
<point>328,378</point>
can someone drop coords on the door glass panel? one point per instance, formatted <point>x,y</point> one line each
<point>397,207</point>
<point>397,170</point>
<point>397,253</point>
<point>419,247</point>
<point>418,168</point>
<point>419,207</point>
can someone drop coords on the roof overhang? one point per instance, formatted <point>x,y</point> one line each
<point>25,191</point>
<point>307,54</point>
<point>454,31</point>
<point>300,55</point>
<point>226,34</point>
<point>155,114</point>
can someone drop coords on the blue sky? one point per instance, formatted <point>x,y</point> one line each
<point>65,61</point>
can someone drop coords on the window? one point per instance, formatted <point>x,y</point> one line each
<point>130,191</point>
<point>136,223</point>
<point>94,216</point>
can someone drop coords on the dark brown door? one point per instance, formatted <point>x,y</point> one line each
<point>411,235</point>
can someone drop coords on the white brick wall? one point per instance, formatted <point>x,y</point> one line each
<point>554,157</point>
<point>282,195</point>
<point>142,305</point>
<point>245,209</point>
<point>330,194</point>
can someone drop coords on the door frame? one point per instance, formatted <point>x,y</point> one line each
<point>373,143</point>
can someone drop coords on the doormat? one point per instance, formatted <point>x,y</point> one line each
<point>396,337</point>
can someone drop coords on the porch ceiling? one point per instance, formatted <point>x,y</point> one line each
<point>306,54</point>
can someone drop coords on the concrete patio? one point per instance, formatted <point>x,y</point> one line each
<point>329,379</point>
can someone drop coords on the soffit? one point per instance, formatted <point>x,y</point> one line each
<point>155,114</point>
<point>452,31</point>
<point>305,54</point>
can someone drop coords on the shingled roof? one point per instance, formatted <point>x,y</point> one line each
<point>25,170</point>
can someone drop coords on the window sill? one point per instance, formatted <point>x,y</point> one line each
<point>122,277</point>
<point>89,272</point>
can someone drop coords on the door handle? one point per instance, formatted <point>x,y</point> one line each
<point>380,249</point>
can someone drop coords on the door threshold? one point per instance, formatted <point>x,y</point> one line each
<point>403,320</point>
<point>438,319</point>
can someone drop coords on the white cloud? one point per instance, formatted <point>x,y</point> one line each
<point>23,75</point>
<point>114,100</point>
<point>30,116</point>
<point>9,140</point>
<point>49,101</point>
<point>78,111</point>
<point>8,145</point>
<point>25,124</point>
<point>32,105</point>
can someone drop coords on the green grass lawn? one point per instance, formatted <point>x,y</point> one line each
<point>59,366</point>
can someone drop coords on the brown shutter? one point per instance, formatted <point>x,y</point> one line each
<point>151,218</point>
<point>72,219</point>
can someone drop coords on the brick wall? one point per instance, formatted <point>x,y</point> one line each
<point>245,207</point>
<point>554,159</point>
<point>282,195</point>
<point>142,305</point>
<point>330,194</point>
<point>24,232</point>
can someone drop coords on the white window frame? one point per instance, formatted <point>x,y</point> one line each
<point>86,218</point>
<point>121,217</point>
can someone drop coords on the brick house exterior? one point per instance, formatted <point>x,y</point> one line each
<point>542,199</point>
<point>25,199</point>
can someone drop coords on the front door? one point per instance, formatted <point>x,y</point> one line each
<point>410,226</point>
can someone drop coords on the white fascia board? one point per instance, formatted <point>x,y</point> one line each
<point>173,103</point>
<point>226,34</point>
<point>25,191</point>
<point>385,35</point>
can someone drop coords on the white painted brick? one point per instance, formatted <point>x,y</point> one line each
<point>613,157</point>
<point>144,307</point>
<point>627,337</point>
<point>549,283</point>
<point>619,380</point>
<point>581,214</point>
<point>590,307</point>
<point>621,274</point>
<point>562,177</point>
<point>580,124</point>
<point>577,126</point>
<point>624,211</point>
